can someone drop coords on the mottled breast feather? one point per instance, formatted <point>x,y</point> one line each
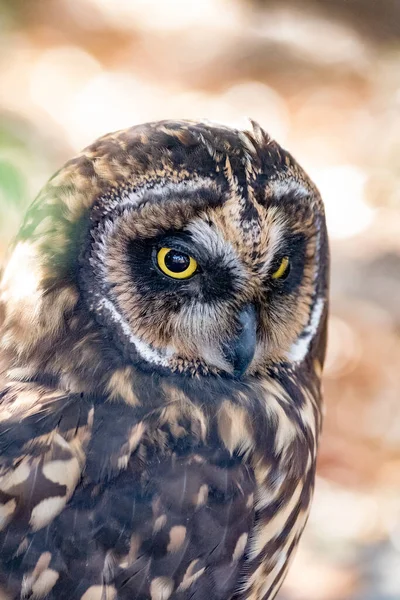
<point>120,480</point>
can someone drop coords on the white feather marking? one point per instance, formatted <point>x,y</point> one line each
<point>150,354</point>
<point>276,235</point>
<point>279,189</point>
<point>215,244</point>
<point>133,199</point>
<point>300,347</point>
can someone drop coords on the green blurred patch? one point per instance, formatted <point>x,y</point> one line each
<point>12,184</point>
<point>15,163</point>
<point>26,161</point>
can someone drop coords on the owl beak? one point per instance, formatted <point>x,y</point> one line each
<point>239,350</point>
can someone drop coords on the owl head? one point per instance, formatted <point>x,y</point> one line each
<point>177,247</point>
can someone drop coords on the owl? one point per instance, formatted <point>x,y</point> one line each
<point>163,319</point>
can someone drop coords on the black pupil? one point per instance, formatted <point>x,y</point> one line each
<point>286,273</point>
<point>177,262</point>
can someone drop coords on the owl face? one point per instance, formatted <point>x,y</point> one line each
<point>203,251</point>
<point>199,276</point>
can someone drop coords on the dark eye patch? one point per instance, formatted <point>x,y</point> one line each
<point>295,249</point>
<point>212,282</point>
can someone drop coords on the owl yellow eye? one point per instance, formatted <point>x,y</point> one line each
<point>283,269</point>
<point>175,263</point>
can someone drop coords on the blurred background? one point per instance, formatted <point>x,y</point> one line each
<point>323,77</point>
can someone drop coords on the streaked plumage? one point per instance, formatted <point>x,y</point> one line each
<point>158,437</point>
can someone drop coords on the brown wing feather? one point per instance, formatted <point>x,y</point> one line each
<point>43,437</point>
<point>92,509</point>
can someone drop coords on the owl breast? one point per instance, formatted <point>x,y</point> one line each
<point>178,500</point>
